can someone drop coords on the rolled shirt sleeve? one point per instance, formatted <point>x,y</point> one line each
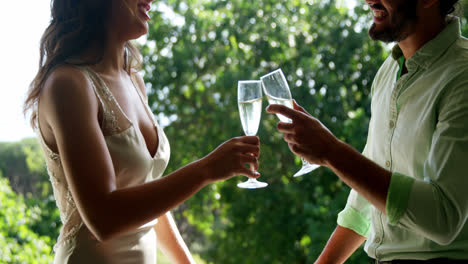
<point>398,196</point>
<point>437,205</point>
<point>357,213</point>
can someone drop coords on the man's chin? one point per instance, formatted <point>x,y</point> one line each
<point>380,35</point>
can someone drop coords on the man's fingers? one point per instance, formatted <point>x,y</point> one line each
<point>285,127</point>
<point>283,110</point>
<point>289,138</point>
<point>299,108</point>
<point>296,149</point>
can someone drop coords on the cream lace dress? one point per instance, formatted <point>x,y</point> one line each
<point>133,165</point>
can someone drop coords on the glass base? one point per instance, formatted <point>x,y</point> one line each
<point>252,184</point>
<point>306,168</point>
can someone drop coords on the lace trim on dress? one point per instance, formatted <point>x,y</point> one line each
<point>113,123</point>
<point>56,159</point>
<point>53,156</point>
<point>70,236</point>
<point>69,216</point>
<point>110,115</point>
<point>110,124</point>
<point>65,235</point>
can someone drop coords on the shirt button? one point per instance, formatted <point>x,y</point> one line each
<point>392,124</point>
<point>377,240</point>
<point>387,164</point>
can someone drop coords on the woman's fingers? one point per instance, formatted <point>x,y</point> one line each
<point>248,172</point>
<point>247,144</point>
<point>249,159</point>
<point>248,140</point>
<point>248,148</point>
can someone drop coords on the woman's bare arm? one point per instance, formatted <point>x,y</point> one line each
<point>171,242</point>
<point>341,245</point>
<point>69,106</point>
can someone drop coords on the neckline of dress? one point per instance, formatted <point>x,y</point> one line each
<point>132,125</point>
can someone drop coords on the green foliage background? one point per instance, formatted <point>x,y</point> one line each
<point>19,242</point>
<point>192,62</point>
<point>192,72</point>
<point>192,69</point>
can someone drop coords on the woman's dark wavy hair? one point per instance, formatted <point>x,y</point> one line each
<point>447,7</point>
<point>75,25</point>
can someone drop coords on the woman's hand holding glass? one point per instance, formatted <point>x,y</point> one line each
<point>229,159</point>
<point>249,99</point>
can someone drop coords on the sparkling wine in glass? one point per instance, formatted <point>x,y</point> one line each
<point>249,98</point>
<point>277,91</point>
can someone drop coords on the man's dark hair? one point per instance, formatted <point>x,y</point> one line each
<point>447,7</point>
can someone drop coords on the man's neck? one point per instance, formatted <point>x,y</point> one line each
<point>424,32</point>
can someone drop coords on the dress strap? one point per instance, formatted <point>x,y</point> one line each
<point>114,120</point>
<point>52,155</point>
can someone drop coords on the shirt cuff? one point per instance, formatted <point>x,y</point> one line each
<point>352,219</point>
<point>398,196</point>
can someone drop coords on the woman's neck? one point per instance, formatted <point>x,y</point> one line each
<point>113,60</point>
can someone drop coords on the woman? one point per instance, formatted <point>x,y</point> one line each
<point>104,150</point>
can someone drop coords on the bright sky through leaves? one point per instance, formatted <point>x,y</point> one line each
<point>21,27</point>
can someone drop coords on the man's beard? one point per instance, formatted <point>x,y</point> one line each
<point>401,25</point>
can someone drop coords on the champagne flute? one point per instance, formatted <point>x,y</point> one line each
<point>277,91</point>
<point>249,98</point>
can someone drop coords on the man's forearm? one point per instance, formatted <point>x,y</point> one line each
<point>358,172</point>
<point>341,245</point>
<point>310,139</point>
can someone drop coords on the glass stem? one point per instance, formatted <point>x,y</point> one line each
<point>251,180</point>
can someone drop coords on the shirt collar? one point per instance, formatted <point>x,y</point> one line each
<point>433,49</point>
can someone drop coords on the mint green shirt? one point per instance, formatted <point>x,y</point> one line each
<point>419,131</point>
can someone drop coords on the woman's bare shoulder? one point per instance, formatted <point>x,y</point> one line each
<point>67,75</point>
<point>67,87</point>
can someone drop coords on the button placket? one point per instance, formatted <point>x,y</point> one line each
<point>388,164</point>
<point>393,115</point>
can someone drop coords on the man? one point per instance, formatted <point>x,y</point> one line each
<point>409,195</point>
